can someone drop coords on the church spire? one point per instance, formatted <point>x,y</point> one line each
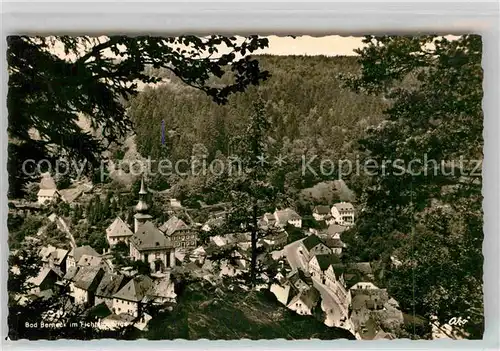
<point>142,206</point>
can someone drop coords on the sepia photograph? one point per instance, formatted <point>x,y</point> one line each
<point>245,187</point>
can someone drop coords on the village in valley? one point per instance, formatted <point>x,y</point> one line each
<point>310,275</point>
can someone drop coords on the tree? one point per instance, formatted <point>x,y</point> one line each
<point>50,93</point>
<point>249,187</point>
<point>430,216</point>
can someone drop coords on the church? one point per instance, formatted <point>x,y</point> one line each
<point>148,243</point>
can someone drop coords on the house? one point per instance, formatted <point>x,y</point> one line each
<point>93,261</point>
<point>149,245</point>
<point>343,213</point>
<point>110,284</point>
<point>335,244</point>
<point>299,279</point>
<point>320,212</point>
<point>128,299</point>
<point>304,302</point>
<point>53,257</point>
<point>336,230</point>
<point>162,291</point>
<point>276,240</point>
<point>284,291</point>
<point>45,280</point>
<point>287,216</point>
<point>311,246</point>
<point>76,254</point>
<point>85,283</point>
<point>268,220</point>
<point>321,268</point>
<point>118,231</point>
<point>47,196</point>
<point>181,235</point>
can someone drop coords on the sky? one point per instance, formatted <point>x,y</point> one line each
<point>332,45</point>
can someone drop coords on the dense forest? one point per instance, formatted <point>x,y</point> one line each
<point>305,102</point>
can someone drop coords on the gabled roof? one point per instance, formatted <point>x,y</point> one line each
<point>163,288</point>
<point>335,228</point>
<point>325,261</point>
<point>344,206</point>
<point>149,237</point>
<point>78,252</point>
<point>311,241</point>
<point>42,275</point>
<point>110,285</point>
<point>135,289</point>
<point>47,192</point>
<point>334,243</point>
<point>283,216</point>
<point>309,297</point>
<point>88,278</point>
<point>172,225</point>
<point>71,273</point>
<point>322,209</point>
<point>118,228</point>
<point>87,260</point>
<point>299,275</point>
<point>52,253</point>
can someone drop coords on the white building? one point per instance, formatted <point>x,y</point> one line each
<point>118,231</point>
<point>149,245</point>
<point>312,246</point>
<point>128,299</point>
<point>343,213</point>
<point>47,195</point>
<point>75,255</point>
<point>320,212</point>
<point>85,283</point>
<point>304,302</point>
<point>287,216</point>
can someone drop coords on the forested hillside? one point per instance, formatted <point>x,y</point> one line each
<point>306,102</point>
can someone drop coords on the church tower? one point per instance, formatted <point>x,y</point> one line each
<point>141,208</point>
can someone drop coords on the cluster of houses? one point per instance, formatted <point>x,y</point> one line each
<point>311,275</point>
<point>91,282</point>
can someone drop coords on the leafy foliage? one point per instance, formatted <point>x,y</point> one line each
<point>430,216</point>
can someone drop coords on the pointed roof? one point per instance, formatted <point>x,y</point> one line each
<point>110,285</point>
<point>88,278</point>
<point>118,228</point>
<point>78,252</point>
<point>143,190</point>
<point>311,241</point>
<point>172,225</point>
<point>325,261</point>
<point>136,289</point>
<point>321,209</point>
<point>149,237</point>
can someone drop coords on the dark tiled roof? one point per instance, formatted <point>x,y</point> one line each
<point>149,237</point>
<point>311,241</point>
<point>136,289</point>
<point>325,261</point>
<point>70,273</point>
<point>110,284</point>
<point>299,274</point>
<point>78,252</point>
<point>88,278</point>
<point>334,243</point>
<point>322,209</point>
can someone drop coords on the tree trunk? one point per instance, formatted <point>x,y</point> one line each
<point>253,263</point>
